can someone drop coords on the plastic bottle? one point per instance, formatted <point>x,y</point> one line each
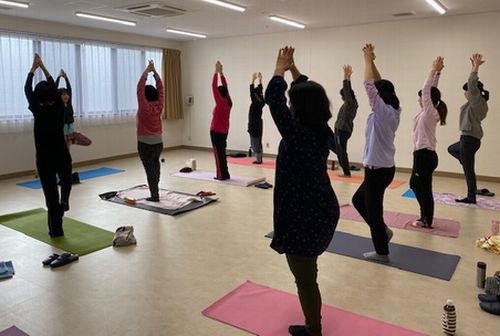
<point>480,274</point>
<point>449,318</point>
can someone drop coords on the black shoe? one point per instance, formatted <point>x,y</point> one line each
<point>465,200</point>
<point>488,298</point>
<point>298,330</point>
<point>491,307</point>
<point>257,162</point>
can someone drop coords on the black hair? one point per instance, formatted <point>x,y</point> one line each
<point>440,105</point>
<point>343,94</point>
<point>45,92</point>
<point>485,94</point>
<point>62,90</point>
<point>310,103</point>
<point>225,94</point>
<point>151,93</point>
<point>387,93</point>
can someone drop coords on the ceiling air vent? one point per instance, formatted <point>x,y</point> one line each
<point>153,10</point>
<point>404,14</point>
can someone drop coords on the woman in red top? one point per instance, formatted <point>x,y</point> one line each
<point>149,127</point>
<point>219,127</point>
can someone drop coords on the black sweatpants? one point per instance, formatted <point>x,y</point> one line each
<point>341,138</point>
<point>369,201</point>
<point>219,144</point>
<point>305,272</point>
<point>49,167</point>
<point>425,161</point>
<point>150,157</point>
<point>465,152</point>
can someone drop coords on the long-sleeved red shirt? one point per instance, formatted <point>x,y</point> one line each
<point>149,113</point>
<point>220,117</point>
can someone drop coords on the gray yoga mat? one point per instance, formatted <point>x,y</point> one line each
<point>111,196</point>
<point>412,259</point>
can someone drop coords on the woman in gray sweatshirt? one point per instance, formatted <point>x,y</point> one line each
<point>471,115</point>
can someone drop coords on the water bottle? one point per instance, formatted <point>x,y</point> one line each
<point>249,151</point>
<point>480,274</point>
<point>449,318</point>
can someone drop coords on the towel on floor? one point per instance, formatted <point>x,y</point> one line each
<point>168,199</point>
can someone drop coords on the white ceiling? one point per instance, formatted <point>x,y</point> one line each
<point>218,22</point>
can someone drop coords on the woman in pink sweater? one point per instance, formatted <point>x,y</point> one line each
<point>425,159</point>
<point>219,128</point>
<point>149,125</point>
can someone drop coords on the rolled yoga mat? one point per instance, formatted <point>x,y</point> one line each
<point>265,311</point>
<point>79,238</point>
<point>243,181</point>
<point>449,199</point>
<point>171,202</point>
<point>440,227</point>
<point>84,175</point>
<point>407,258</point>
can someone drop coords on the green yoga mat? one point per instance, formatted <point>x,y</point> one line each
<point>78,237</point>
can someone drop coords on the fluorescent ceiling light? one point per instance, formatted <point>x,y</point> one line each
<point>105,18</point>
<point>287,22</point>
<point>181,32</point>
<point>15,4</point>
<point>227,5</point>
<point>437,6</point>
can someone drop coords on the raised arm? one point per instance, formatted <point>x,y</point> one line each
<point>347,87</point>
<point>159,88</point>
<point>432,80</point>
<point>28,85</point>
<point>474,92</point>
<point>215,90</point>
<point>371,71</point>
<point>141,85</point>
<point>63,74</point>
<point>275,92</point>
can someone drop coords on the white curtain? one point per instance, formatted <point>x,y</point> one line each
<point>103,77</point>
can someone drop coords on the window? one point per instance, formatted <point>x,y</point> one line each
<point>103,76</point>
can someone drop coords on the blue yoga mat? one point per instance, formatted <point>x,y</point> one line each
<point>412,259</point>
<point>409,194</point>
<point>84,175</point>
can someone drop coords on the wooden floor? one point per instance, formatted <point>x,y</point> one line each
<point>183,264</point>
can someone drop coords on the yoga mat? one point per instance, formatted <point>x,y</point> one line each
<point>440,227</point>
<point>449,199</point>
<point>242,181</point>
<point>84,175</point>
<point>265,311</point>
<point>13,331</point>
<point>247,161</point>
<point>407,258</point>
<point>79,238</point>
<point>152,206</point>
<point>334,175</point>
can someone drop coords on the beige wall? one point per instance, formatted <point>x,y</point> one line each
<point>405,51</point>
<point>109,140</point>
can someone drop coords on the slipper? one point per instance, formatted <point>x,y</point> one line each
<point>268,185</point>
<point>50,259</point>
<point>205,193</point>
<point>64,259</point>
<point>263,185</point>
<point>485,192</point>
<point>186,170</point>
<point>354,168</point>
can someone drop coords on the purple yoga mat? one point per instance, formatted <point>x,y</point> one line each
<point>265,311</point>
<point>243,181</point>
<point>13,331</point>
<point>441,227</point>
<point>483,203</point>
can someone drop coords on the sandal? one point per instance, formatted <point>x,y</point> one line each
<point>64,259</point>
<point>50,259</point>
<point>485,192</point>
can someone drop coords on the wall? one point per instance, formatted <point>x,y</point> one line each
<point>405,51</point>
<point>17,149</point>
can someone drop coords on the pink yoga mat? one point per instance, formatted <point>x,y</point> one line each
<point>265,311</point>
<point>441,227</point>
<point>247,161</point>
<point>243,181</point>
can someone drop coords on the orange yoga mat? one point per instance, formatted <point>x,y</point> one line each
<point>247,161</point>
